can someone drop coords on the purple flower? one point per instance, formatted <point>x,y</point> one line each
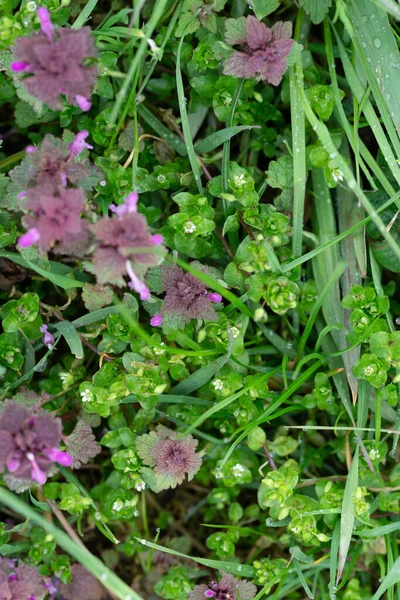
<point>53,60</point>
<point>118,254</point>
<point>129,205</point>
<point>23,583</point>
<point>48,339</point>
<point>229,588</point>
<point>55,216</point>
<point>79,144</point>
<point>264,51</point>
<point>157,320</point>
<point>186,295</point>
<point>171,457</point>
<point>29,238</point>
<point>83,585</point>
<point>29,443</point>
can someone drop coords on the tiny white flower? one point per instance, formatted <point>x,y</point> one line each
<point>239,180</point>
<point>86,396</point>
<point>161,178</point>
<point>369,370</point>
<point>64,377</point>
<point>140,485</point>
<point>373,454</point>
<point>235,332</point>
<point>218,384</point>
<point>117,506</point>
<point>31,6</point>
<point>237,470</point>
<point>189,227</point>
<point>103,183</point>
<point>159,349</point>
<point>337,175</point>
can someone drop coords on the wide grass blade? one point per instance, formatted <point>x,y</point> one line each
<point>219,565</point>
<point>348,516</point>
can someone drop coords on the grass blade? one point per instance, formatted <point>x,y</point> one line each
<point>184,118</point>
<point>348,517</point>
<point>200,377</point>
<point>213,141</point>
<point>218,565</point>
<point>172,140</point>
<point>299,160</point>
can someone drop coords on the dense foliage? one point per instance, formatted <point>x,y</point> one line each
<point>199,361</point>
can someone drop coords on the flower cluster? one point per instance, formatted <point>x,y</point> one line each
<point>186,296</point>
<point>171,457</point>
<point>54,60</point>
<point>228,588</point>
<point>264,51</point>
<point>125,241</point>
<point>29,446</point>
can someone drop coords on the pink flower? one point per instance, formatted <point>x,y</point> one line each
<point>79,144</point>
<point>53,60</point>
<point>29,238</point>
<point>29,444</point>
<point>129,205</point>
<point>264,51</point>
<point>157,320</point>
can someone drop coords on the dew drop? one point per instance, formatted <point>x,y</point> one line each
<point>377,42</point>
<point>104,576</point>
<point>144,542</point>
<point>364,45</point>
<point>388,97</point>
<point>240,568</point>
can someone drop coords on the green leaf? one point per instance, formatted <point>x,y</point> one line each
<point>317,9</point>
<point>216,139</point>
<point>235,30</point>
<point>187,24</point>
<point>71,337</point>
<point>263,8</point>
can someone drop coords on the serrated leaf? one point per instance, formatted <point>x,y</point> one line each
<point>317,9</point>
<point>187,24</point>
<point>235,30</point>
<point>72,338</point>
<point>263,8</point>
<point>25,115</point>
<point>5,60</point>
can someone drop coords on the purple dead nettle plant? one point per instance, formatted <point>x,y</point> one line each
<point>54,60</point>
<point>126,247</point>
<point>54,163</point>
<point>185,296</point>
<point>29,445</point>
<point>20,583</point>
<point>170,457</point>
<point>264,51</point>
<point>54,216</point>
<point>229,588</point>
